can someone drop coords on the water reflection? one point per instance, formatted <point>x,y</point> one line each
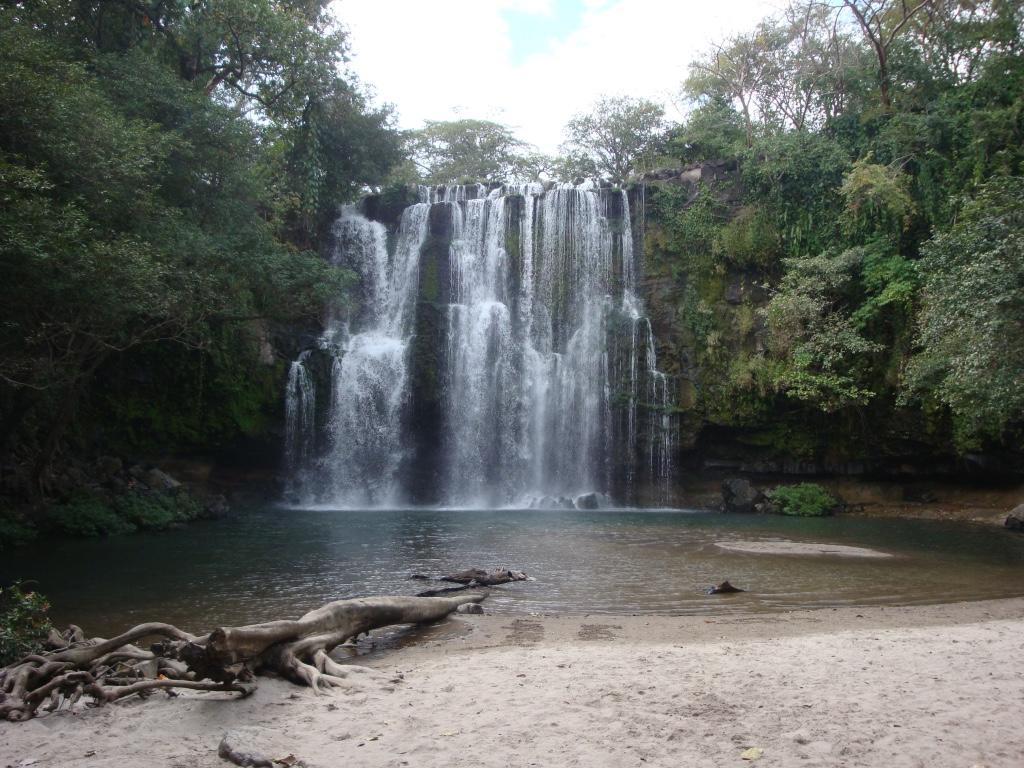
<point>279,563</point>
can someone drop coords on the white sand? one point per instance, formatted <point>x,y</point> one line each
<point>785,547</point>
<point>926,686</point>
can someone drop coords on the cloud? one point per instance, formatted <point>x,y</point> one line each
<point>440,61</point>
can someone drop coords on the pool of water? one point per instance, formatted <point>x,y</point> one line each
<point>278,563</point>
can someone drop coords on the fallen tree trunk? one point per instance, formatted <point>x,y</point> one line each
<point>224,660</point>
<point>482,578</point>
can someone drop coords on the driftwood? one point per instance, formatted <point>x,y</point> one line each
<point>482,578</point>
<point>227,659</point>
<point>469,579</point>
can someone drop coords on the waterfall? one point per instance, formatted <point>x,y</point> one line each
<point>540,380</point>
<point>300,417</point>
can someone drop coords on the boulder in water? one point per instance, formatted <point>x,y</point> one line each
<point>1015,520</point>
<point>738,495</point>
<point>588,501</point>
<point>725,588</point>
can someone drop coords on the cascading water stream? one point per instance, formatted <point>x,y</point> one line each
<point>543,384</point>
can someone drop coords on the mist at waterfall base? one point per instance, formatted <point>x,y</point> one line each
<point>499,357</point>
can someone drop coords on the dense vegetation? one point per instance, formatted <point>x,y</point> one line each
<point>24,624</point>
<point>167,170</point>
<point>873,198</point>
<point>802,500</point>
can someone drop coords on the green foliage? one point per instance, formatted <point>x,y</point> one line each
<point>890,284</point>
<point>460,151</point>
<point>157,511</point>
<point>971,332</point>
<point>712,131</point>
<point>87,515</point>
<point>164,177</point>
<point>802,499</point>
<point>810,329</point>
<point>750,239</point>
<point>691,226</point>
<point>14,530</point>
<point>619,136</point>
<point>24,624</point>
<point>877,201</point>
<point>796,178</point>
<point>894,305</point>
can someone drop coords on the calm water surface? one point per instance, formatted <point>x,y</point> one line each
<point>278,563</point>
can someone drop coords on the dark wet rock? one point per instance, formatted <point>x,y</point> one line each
<point>725,588</point>
<point>588,501</point>
<point>734,291</point>
<point>738,495</point>
<point>919,495</point>
<point>242,747</point>
<point>159,480</point>
<point>419,577</point>
<point>217,506</point>
<point>552,502</point>
<point>107,467</point>
<point>1015,520</point>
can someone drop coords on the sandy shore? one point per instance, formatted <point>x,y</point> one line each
<point>920,686</point>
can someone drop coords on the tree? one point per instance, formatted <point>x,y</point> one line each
<point>882,22</point>
<point>733,71</point>
<point>226,659</point>
<point>790,73</point>
<point>619,136</point>
<point>143,209</point>
<point>450,152</point>
<point>971,328</point>
<point>810,331</point>
<point>713,130</point>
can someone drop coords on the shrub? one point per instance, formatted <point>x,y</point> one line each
<point>24,624</point>
<point>803,499</point>
<point>87,515</point>
<point>156,511</point>
<point>751,239</point>
<point>14,531</point>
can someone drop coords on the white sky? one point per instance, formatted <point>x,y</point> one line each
<point>531,64</point>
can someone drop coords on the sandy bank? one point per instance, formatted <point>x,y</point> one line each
<point>919,686</point>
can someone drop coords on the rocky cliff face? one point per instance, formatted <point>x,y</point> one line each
<point>705,304</point>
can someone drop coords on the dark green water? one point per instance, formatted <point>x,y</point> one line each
<point>278,563</point>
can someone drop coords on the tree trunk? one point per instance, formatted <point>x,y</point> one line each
<point>224,660</point>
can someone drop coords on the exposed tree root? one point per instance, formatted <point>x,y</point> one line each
<point>102,671</point>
